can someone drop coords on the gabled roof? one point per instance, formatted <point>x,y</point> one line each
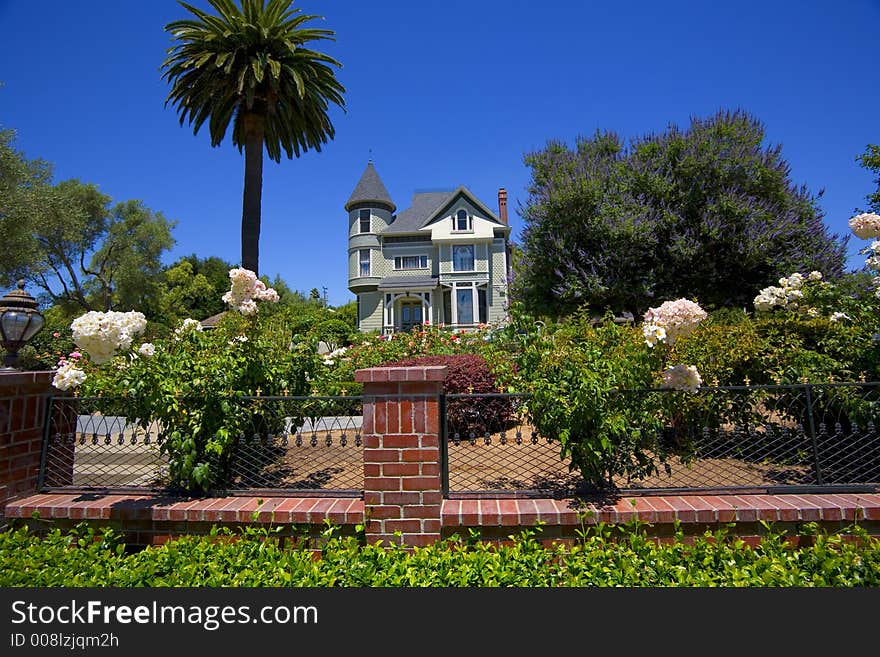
<point>370,189</point>
<point>427,206</point>
<point>421,209</point>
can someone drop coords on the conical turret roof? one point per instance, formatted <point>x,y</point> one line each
<point>370,188</point>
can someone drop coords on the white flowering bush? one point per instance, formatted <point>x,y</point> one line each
<point>246,289</point>
<point>865,226</point>
<point>103,334</point>
<point>196,385</point>
<point>671,320</point>
<point>69,374</point>
<point>681,377</point>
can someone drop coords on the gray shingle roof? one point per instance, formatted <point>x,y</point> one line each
<point>370,188</point>
<point>422,207</point>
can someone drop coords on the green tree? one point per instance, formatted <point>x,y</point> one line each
<point>250,66</point>
<point>870,160</point>
<point>20,181</point>
<point>82,253</point>
<point>707,212</point>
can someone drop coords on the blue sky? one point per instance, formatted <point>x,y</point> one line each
<point>440,94</point>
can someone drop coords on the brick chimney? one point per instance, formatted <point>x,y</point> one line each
<point>502,205</point>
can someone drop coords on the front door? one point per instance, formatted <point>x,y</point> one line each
<point>410,315</point>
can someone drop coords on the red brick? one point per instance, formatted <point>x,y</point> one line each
<point>401,441</point>
<point>421,483</point>
<point>385,512</point>
<point>429,455</point>
<point>380,417</point>
<point>430,469</point>
<point>724,509</point>
<point>745,512</point>
<point>372,469</point>
<point>409,497</point>
<point>509,511</point>
<point>663,511</point>
<point>644,510</point>
<point>371,441</point>
<point>407,525</point>
<point>406,416</point>
<point>432,417</point>
<point>381,456</point>
<point>786,511</point>
<point>381,483</point>
<point>372,497</point>
<point>489,512</point>
<point>419,417</point>
<point>421,511</point>
<point>432,497</point>
<point>431,525</point>
<point>469,513</point>
<point>400,469</point>
<point>397,374</point>
<point>429,440</point>
<point>528,512</point>
<point>547,511</point>
<point>420,540</point>
<point>705,512</point>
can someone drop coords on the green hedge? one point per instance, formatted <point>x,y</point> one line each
<point>603,557</point>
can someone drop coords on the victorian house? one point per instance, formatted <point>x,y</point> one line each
<point>443,260</point>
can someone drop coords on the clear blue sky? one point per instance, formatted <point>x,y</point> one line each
<point>442,93</point>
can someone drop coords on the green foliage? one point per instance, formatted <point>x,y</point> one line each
<point>572,372</point>
<point>77,249</point>
<point>193,385</point>
<point>333,332</point>
<point>705,213</point>
<point>870,160</point>
<point>603,556</point>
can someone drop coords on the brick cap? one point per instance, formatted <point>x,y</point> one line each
<point>397,374</point>
<point>19,378</point>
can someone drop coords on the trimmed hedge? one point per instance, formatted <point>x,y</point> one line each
<point>86,558</point>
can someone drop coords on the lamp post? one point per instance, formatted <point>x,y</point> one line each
<point>19,322</point>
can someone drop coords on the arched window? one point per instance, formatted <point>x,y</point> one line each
<point>462,221</point>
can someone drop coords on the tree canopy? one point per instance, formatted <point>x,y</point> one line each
<point>68,240</point>
<point>707,212</point>
<point>250,66</point>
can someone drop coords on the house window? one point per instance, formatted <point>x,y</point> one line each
<point>447,306</point>
<point>483,308</point>
<point>358,312</point>
<point>364,257</point>
<point>411,262</point>
<point>463,257</point>
<point>463,222</point>
<point>364,216</point>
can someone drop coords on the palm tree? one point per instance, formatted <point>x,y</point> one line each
<point>249,65</point>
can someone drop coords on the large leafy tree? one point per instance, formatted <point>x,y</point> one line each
<point>250,66</point>
<point>708,212</point>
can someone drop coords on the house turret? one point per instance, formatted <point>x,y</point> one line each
<point>370,210</point>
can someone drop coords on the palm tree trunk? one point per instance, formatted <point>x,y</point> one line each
<point>254,128</point>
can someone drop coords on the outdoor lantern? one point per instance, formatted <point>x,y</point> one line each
<point>19,322</point>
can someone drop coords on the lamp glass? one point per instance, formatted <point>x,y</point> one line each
<point>14,324</point>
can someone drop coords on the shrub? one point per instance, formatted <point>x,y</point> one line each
<point>255,558</point>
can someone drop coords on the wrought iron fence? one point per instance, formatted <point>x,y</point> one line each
<point>306,445</point>
<point>767,438</point>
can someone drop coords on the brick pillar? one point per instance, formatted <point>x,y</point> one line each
<point>401,434</point>
<point>23,398</point>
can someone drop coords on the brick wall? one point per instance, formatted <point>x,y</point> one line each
<point>23,403</point>
<point>402,485</point>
